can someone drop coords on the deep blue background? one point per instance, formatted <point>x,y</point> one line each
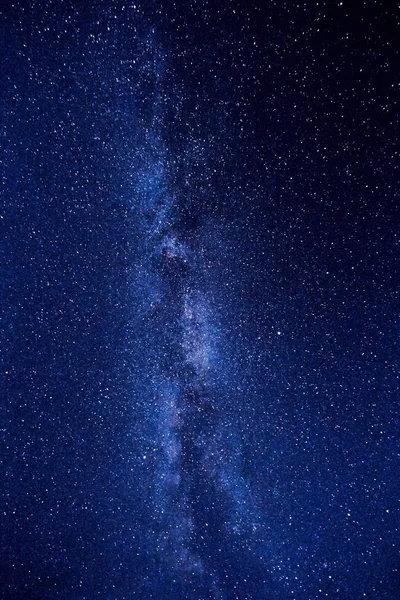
<point>267,136</point>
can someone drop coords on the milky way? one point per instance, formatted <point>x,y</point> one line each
<point>194,466</point>
<point>199,303</point>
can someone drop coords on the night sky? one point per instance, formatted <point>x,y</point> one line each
<point>200,325</point>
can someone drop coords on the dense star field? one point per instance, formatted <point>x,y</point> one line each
<point>199,300</point>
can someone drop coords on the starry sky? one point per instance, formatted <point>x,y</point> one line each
<point>199,300</point>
